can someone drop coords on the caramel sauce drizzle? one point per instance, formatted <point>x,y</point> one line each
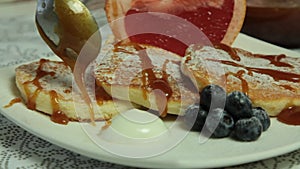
<point>239,74</point>
<point>163,85</point>
<point>115,7</point>
<point>229,50</point>
<point>60,49</point>
<point>117,48</point>
<point>151,81</point>
<point>71,41</point>
<point>277,75</point>
<point>290,115</point>
<point>275,60</point>
<point>13,101</point>
<point>287,87</point>
<point>160,86</point>
<point>57,116</point>
<point>101,95</point>
<point>39,74</point>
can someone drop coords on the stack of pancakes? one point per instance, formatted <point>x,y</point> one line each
<point>134,75</point>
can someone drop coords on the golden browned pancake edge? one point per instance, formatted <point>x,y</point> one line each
<point>271,82</point>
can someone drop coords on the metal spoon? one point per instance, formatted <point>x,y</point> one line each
<point>69,30</point>
<point>66,26</point>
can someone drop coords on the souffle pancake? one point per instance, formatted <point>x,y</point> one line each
<point>146,75</point>
<point>271,81</point>
<point>46,86</point>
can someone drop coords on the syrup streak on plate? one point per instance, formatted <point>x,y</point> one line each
<point>279,139</point>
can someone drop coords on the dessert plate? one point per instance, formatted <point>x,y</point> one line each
<point>189,153</point>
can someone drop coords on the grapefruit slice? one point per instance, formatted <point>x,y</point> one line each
<point>219,20</point>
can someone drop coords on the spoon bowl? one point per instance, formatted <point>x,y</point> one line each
<point>47,19</point>
<point>68,28</point>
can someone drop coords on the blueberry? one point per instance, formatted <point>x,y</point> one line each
<point>212,95</point>
<point>263,116</point>
<point>195,117</point>
<point>219,123</point>
<point>247,129</point>
<point>238,105</point>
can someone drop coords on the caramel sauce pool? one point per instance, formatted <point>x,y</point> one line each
<point>290,115</point>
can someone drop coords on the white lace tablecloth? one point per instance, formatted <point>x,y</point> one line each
<point>19,42</point>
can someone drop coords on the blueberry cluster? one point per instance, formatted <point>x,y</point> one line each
<point>227,115</point>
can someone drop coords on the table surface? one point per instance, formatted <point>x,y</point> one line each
<point>20,149</point>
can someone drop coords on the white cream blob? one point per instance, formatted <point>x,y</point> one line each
<point>135,126</point>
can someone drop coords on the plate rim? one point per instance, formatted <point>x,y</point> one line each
<point>105,156</point>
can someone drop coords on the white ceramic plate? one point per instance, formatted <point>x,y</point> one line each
<point>279,139</point>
